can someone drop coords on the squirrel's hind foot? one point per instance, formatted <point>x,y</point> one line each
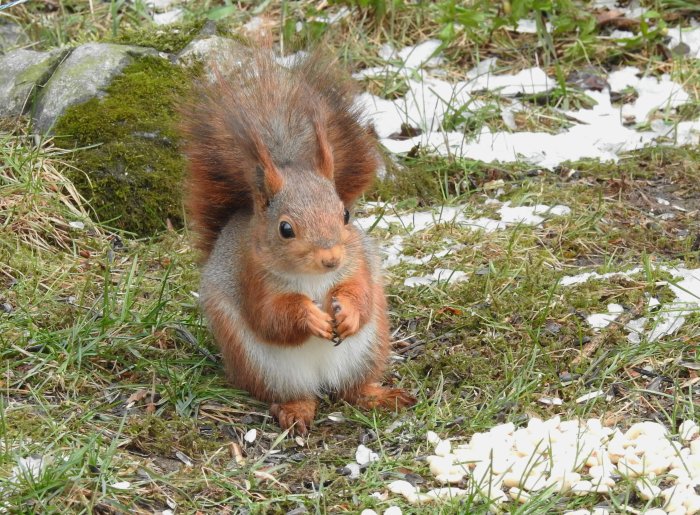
<point>296,416</point>
<point>373,395</point>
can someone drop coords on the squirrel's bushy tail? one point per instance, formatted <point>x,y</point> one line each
<point>262,103</point>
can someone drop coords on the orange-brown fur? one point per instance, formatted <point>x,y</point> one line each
<point>221,157</point>
<point>286,147</point>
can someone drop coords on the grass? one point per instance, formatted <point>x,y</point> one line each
<point>110,377</point>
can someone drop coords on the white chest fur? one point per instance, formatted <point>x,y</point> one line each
<point>314,286</point>
<point>315,366</point>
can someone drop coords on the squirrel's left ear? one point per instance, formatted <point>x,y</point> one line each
<point>324,157</point>
<point>268,182</point>
<point>267,179</point>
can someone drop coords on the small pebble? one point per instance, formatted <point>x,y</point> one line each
<point>251,435</point>
<point>364,455</point>
<point>353,470</point>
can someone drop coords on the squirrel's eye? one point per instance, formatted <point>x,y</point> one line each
<point>346,216</point>
<point>286,230</point>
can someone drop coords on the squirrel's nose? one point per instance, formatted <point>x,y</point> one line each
<point>329,258</point>
<point>330,263</point>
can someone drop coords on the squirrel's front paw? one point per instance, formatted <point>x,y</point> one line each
<point>347,318</point>
<point>318,322</point>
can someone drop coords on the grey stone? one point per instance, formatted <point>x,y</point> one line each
<point>11,36</point>
<point>218,54</point>
<point>83,75</point>
<point>22,72</point>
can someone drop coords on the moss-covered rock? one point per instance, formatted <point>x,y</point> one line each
<point>84,74</point>
<point>22,72</point>
<point>171,38</point>
<point>127,161</point>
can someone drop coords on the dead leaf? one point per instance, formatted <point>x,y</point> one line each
<point>615,18</point>
<point>136,397</point>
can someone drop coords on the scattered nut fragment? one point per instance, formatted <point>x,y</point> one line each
<point>433,438</point>
<point>518,494</point>
<point>443,448</point>
<point>572,457</point>
<point>688,430</point>
<point>449,478</point>
<point>582,487</point>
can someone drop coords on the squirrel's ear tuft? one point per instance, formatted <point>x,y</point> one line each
<point>268,182</point>
<point>324,158</point>
<point>267,179</point>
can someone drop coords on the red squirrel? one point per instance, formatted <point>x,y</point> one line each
<point>277,157</point>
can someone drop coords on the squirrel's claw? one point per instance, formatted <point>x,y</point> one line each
<point>296,416</point>
<point>347,319</point>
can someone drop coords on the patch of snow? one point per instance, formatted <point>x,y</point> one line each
<point>654,94</point>
<point>604,4</point>
<point>335,17</point>
<point>526,82</point>
<point>160,5</point>
<point>597,133</point>
<point>420,220</point>
<point>690,37</point>
<point>423,54</point>
<point>527,26</point>
<point>168,17</point>
<point>672,316</point>
<point>621,34</point>
<point>602,320</point>
<point>636,330</point>
<point>28,468</point>
<point>587,276</point>
<point>669,317</point>
<point>440,275</point>
<point>415,221</point>
<point>530,215</point>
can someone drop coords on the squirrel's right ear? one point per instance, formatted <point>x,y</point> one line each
<point>268,182</point>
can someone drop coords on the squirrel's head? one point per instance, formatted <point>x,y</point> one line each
<point>300,224</point>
